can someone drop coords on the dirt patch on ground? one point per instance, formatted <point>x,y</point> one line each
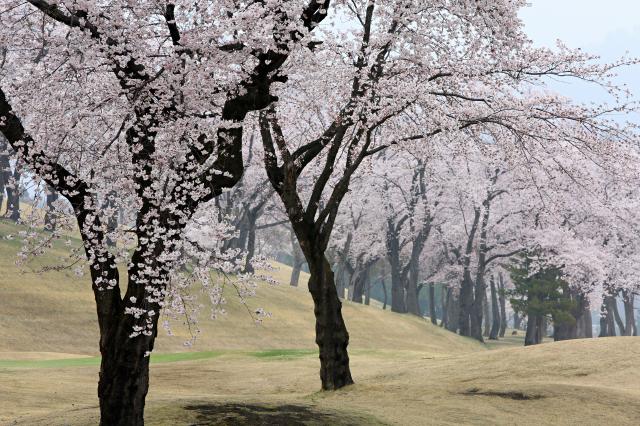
<point>232,414</point>
<point>515,395</point>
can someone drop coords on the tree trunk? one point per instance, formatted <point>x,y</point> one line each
<point>517,321</point>
<point>486,315</point>
<point>452,310</point>
<point>298,261</point>
<point>252,218</point>
<point>397,292</point>
<point>358,281</point>
<point>367,293</point>
<point>443,305</point>
<point>432,304</point>
<point>534,330</point>
<point>477,309</point>
<point>5,174</point>
<point>607,322</point>
<point>584,326</point>
<point>384,292</point>
<point>629,317</point>
<point>564,330</point>
<point>413,303</point>
<point>124,378</point>
<point>295,274</point>
<point>49,216</point>
<point>4,167</point>
<point>503,306</point>
<point>466,305</point>
<point>495,312</point>
<point>332,337</point>
<point>13,193</point>
<point>398,297</point>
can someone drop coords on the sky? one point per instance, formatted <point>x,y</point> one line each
<point>607,28</point>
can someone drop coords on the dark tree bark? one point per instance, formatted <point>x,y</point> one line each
<point>332,337</point>
<point>495,310</point>
<point>432,304</point>
<point>503,305</point>
<point>313,229</point>
<point>535,330</point>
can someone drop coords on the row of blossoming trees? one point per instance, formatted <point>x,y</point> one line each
<point>432,123</point>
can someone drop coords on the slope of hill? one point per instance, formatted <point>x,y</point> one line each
<point>55,312</point>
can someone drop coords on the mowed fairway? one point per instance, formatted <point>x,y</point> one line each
<point>407,371</point>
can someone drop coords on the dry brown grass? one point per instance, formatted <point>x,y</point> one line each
<point>407,371</point>
<point>579,382</point>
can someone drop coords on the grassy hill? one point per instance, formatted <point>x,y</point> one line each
<point>407,371</point>
<point>55,312</point>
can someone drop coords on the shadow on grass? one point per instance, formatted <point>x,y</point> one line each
<point>232,414</point>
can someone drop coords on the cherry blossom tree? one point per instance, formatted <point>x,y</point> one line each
<point>146,99</point>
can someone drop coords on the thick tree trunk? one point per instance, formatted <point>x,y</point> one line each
<point>124,369</point>
<point>495,324</point>
<point>432,304</point>
<point>332,337</point>
<point>503,306</point>
<point>535,325</point>
<point>124,378</point>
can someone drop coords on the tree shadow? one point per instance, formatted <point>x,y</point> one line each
<point>233,414</point>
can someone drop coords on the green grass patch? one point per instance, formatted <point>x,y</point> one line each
<point>284,353</point>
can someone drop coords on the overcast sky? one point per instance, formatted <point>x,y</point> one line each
<point>607,28</point>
